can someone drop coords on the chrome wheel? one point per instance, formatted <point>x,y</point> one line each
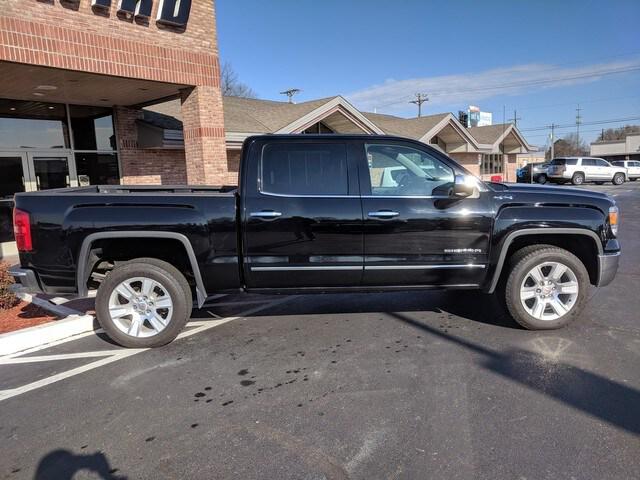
<point>140,307</point>
<point>549,291</point>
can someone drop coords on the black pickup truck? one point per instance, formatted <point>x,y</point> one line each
<point>316,213</point>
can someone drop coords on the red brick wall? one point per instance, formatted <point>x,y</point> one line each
<point>47,33</point>
<point>145,166</point>
<point>57,34</point>
<point>233,166</point>
<point>468,161</point>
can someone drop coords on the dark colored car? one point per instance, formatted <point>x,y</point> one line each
<point>316,213</point>
<point>539,173</point>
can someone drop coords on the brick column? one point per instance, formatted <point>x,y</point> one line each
<point>204,143</point>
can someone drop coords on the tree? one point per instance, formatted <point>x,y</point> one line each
<point>231,86</point>
<point>569,146</point>
<point>619,133</point>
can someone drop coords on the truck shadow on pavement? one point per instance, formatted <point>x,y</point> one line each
<point>588,392</point>
<point>64,465</point>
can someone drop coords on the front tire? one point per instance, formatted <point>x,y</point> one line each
<point>542,179</point>
<point>143,303</point>
<point>618,179</point>
<point>546,287</point>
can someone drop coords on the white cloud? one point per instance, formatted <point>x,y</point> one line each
<point>393,95</point>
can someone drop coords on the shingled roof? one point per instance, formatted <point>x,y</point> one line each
<point>489,134</point>
<point>406,127</point>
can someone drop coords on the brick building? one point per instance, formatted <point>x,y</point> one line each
<point>486,151</point>
<point>75,75</point>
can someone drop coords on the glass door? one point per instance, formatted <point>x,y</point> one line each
<point>51,170</point>
<point>14,179</point>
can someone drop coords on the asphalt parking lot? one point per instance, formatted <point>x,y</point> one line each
<point>400,385</point>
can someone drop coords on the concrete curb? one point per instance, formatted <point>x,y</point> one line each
<point>73,323</point>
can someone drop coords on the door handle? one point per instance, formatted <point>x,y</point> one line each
<point>266,214</point>
<point>384,214</point>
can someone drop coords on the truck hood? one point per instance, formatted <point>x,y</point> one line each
<point>539,195</point>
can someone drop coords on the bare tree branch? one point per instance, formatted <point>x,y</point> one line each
<point>230,84</point>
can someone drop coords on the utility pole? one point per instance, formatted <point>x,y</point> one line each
<point>290,93</point>
<point>553,140</point>
<point>578,122</point>
<point>420,99</point>
<point>515,118</point>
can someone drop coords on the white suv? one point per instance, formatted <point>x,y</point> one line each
<point>632,166</point>
<point>578,170</point>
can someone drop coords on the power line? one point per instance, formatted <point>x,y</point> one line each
<point>572,125</point>
<point>526,83</point>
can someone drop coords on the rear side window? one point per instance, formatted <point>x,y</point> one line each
<point>564,161</point>
<point>304,169</point>
<point>588,162</point>
<point>601,163</point>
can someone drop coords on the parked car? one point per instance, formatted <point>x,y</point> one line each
<point>539,173</point>
<point>314,214</point>
<point>632,166</point>
<point>579,170</point>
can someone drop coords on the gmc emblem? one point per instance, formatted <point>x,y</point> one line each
<point>170,12</point>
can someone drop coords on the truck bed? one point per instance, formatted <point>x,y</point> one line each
<point>140,189</point>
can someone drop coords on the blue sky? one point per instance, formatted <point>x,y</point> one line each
<point>544,57</point>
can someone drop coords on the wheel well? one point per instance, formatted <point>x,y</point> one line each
<point>581,246</point>
<point>579,172</point>
<point>106,253</point>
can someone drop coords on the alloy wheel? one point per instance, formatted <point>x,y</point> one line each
<point>140,307</point>
<point>549,291</point>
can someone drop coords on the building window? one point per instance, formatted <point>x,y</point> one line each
<point>97,168</point>
<point>92,128</point>
<point>319,127</point>
<point>491,164</point>
<point>25,125</point>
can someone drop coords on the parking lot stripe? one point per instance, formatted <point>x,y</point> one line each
<point>64,356</point>
<point>124,353</point>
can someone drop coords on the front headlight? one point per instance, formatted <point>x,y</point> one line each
<point>614,219</point>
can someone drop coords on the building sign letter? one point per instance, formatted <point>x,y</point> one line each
<point>174,12</point>
<point>138,8</point>
<point>101,4</point>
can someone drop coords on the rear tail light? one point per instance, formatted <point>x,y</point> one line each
<point>614,220</point>
<point>22,230</point>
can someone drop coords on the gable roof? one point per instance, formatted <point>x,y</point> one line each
<point>494,134</point>
<point>415,128</point>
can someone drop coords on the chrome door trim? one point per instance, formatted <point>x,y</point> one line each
<point>422,267</point>
<point>306,268</point>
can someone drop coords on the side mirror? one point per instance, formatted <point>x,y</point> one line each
<point>464,186</point>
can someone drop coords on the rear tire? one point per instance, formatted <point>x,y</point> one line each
<point>578,178</point>
<point>618,179</point>
<point>143,303</point>
<point>542,179</point>
<point>553,301</point>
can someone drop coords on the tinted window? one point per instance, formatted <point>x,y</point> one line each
<point>397,170</point>
<point>588,162</point>
<point>601,163</point>
<point>564,161</point>
<point>305,169</point>
<point>618,164</point>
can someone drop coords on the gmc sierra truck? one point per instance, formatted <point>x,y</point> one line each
<point>316,213</point>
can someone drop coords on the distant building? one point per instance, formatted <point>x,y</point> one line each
<point>625,149</point>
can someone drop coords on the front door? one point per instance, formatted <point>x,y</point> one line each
<point>415,232</point>
<point>13,180</point>
<point>301,215</point>
<point>51,170</point>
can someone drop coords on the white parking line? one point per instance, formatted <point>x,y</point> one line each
<point>111,355</point>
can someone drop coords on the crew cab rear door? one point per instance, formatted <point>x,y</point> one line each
<point>301,214</point>
<point>415,232</point>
